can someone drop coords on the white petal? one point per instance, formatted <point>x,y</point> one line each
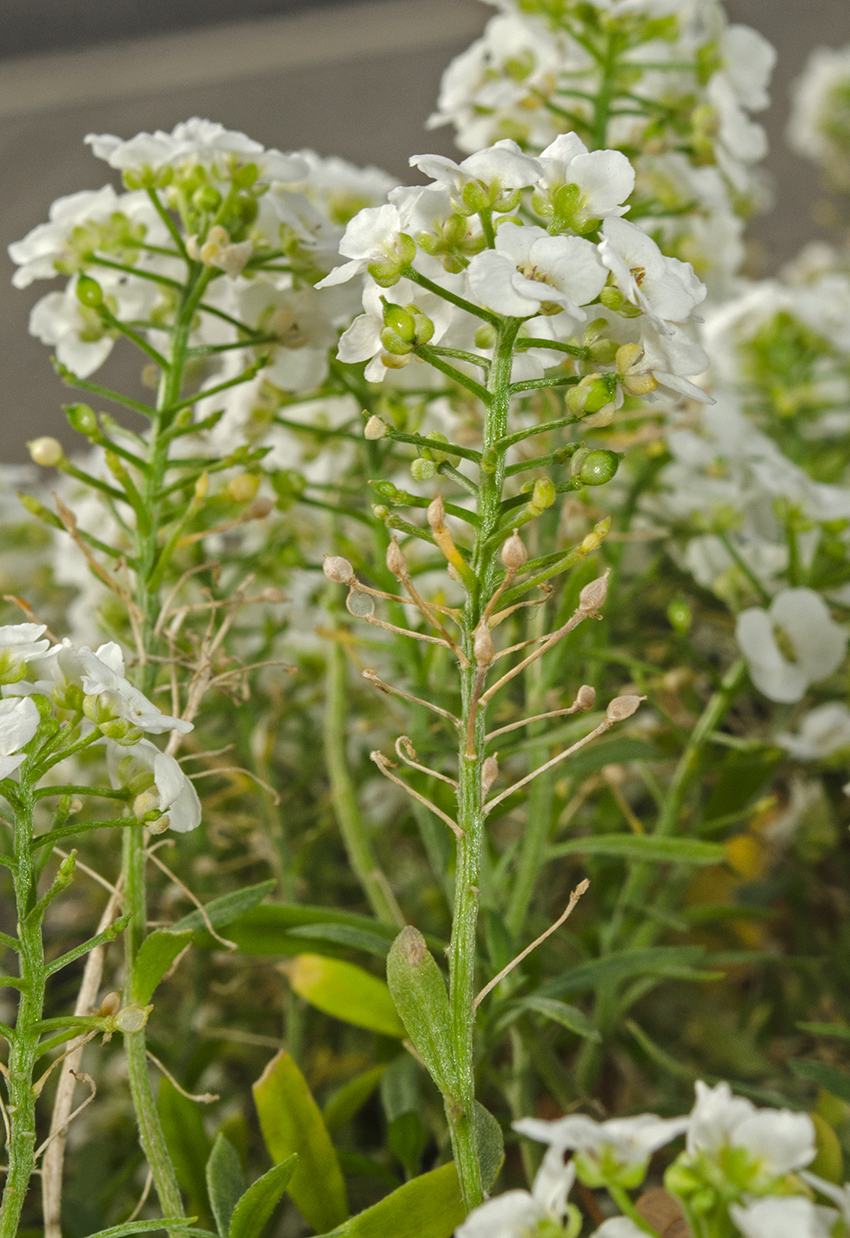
<point>506,1216</point>
<point>8,765</point>
<point>783,1217</point>
<point>783,1141</point>
<point>490,277</point>
<point>19,719</point>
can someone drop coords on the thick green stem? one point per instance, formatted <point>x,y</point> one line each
<point>24,1048</point>
<point>343,793</point>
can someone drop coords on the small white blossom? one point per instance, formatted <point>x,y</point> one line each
<point>814,644</point>
<point>777,1140</point>
<point>784,1217</point>
<point>502,166</point>
<point>20,643</point>
<point>820,116</point>
<point>604,178</point>
<point>616,1150</point>
<point>619,1227</point>
<point>822,731</point>
<point>664,288</point>
<point>529,270</point>
<point>103,677</point>
<point>19,719</point>
<point>517,1214</point>
<point>371,236</point>
<point>169,791</point>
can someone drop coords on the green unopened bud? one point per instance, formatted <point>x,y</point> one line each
<point>543,494</point>
<point>46,451</point>
<point>424,328</point>
<point>611,298</point>
<point>485,337</point>
<point>422,470</point>
<point>380,511</point>
<point>395,344</point>
<point>600,391</point>
<point>434,453</point>
<point>598,467</point>
<point>386,490</point>
<point>89,292</point>
<point>207,198</point>
<point>604,352</point>
<point>680,615</point>
<point>82,419</point>
<point>400,320</point>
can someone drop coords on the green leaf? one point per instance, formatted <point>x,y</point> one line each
<point>291,1122</point>
<point>158,951</point>
<point>827,1077</point>
<point>428,1207</point>
<point>345,991</point>
<point>259,1201</point>
<point>649,847</point>
<point>622,965</point>
<point>406,1139</point>
<point>178,1225</point>
<point>287,928</point>
<point>345,1102</point>
<point>225,1182</point>
<point>187,1142</point>
<point>490,1143</point>
<point>341,935</point>
<point>559,1012</point>
<point>228,907</point>
<point>419,993</point>
<point>840,1031</point>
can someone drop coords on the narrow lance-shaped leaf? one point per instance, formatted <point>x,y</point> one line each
<point>156,954</point>
<point>490,1143</point>
<point>345,991</point>
<point>225,1182</point>
<point>419,993</point>
<point>428,1207</point>
<point>292,1123</point>
<point>259,1201</point>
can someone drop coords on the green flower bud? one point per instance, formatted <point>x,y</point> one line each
<point>485,337</point>
<point>400,320</point>
<point>422,470</point>
<point>207,198</point>
<point>386,490</point>
<point>604,352</point>
<point>598,467</point>
<point>89,292</point>
<point>611,298</point>
<point>424,328</point>
<point>81,418</point>
<point>385,274</point>
<point>543,494</point>
<point>680,615</point>
<point>395,344</point>
<point>380,512</point>
<point>433,453</point>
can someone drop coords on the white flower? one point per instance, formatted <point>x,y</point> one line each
<point>814,645</point>
<point>168,790</point>
<point>362,340</point>
<point>777,1140</point>
<point>662,287</point>
<point>103,678</point>
<point>19,644</point>
<point>618,1149</point>
<point>529,269</point>
<point>303,322</point>
<point>748,62</point>
<point>819,114</point>
<point>19,719</point>
<point>502,166</point>
<point>783,1217</point>
<point>839,1195</point>
<point>371,236</point>
<point>201,141</point>
<point>619,1227</point>
<point>517,1214</point>
<point>822,730</point>
<point>604,178</point>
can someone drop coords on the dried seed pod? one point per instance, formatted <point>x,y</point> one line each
<point>489,774</point>
<point>622,707</point>
<point>483,648</point>
<point>110,1005</point>
<point>586,697</point>
<point>396,562</point>
<point>514,554</point>
<point>374,428</point>
<point>338,570</point>
<point>437,513</point>
<point>593,595</point>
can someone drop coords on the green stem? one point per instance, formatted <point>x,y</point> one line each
<point>343,792</point>
<point>24,1046</point>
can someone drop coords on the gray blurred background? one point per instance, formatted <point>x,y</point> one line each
<point>357,79</point>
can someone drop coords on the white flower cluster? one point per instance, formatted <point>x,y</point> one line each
<point>91,688</point>
<point>548,273</point>
<point>680,92</point>
<point>264,224</point>
<point>746,1160</point>
<point>819,125</point>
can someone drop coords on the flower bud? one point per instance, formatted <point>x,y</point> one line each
<point>622,707</point>
<point>147,802</point>
<point>46,451</point>
<point>598,467</point>
<point>207,198</point>
<point>586,697</point>
<point>81,418</point>
<point>374,429</point>
<point>400,320</point>
<point>483,647</point>
<point>680,615</point>
<point>132,1018</point>
<point>395,344</point>
<point>437,513</point>
<point>396,562</point>
<point>339,570</point>
<point>424,328</point>
<point>593,596</point>
<point>422,470</point>
<point>89,292</point>
<point>604,352</point>
<point>611,298</point>
<point>514,554</point>
<point>543,494</point>
<point>489,774</point>
<point>603,418</point>
<point>243,488</point>
<point>485,337</point>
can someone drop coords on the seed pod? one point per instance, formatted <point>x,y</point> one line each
<point>437,513</point>
<point>110,1005</point>
<point>243,488</point>
<point>514,554</point>
<point>338,570</point>
<point>489,774</point>
<point>483,648</point>
<point>593,595</point>
<point>396,561</point>
<point>543,494</point>
<point>586,697</point>
<point>374,428</point>
<point>132,1018</point>
<point>599,467</point>
<point>622,707</point>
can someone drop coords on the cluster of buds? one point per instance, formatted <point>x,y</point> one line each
<point>406,328</point>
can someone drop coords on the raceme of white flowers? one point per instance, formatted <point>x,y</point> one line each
<point>90,689</point>
<point>739,1161</point>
